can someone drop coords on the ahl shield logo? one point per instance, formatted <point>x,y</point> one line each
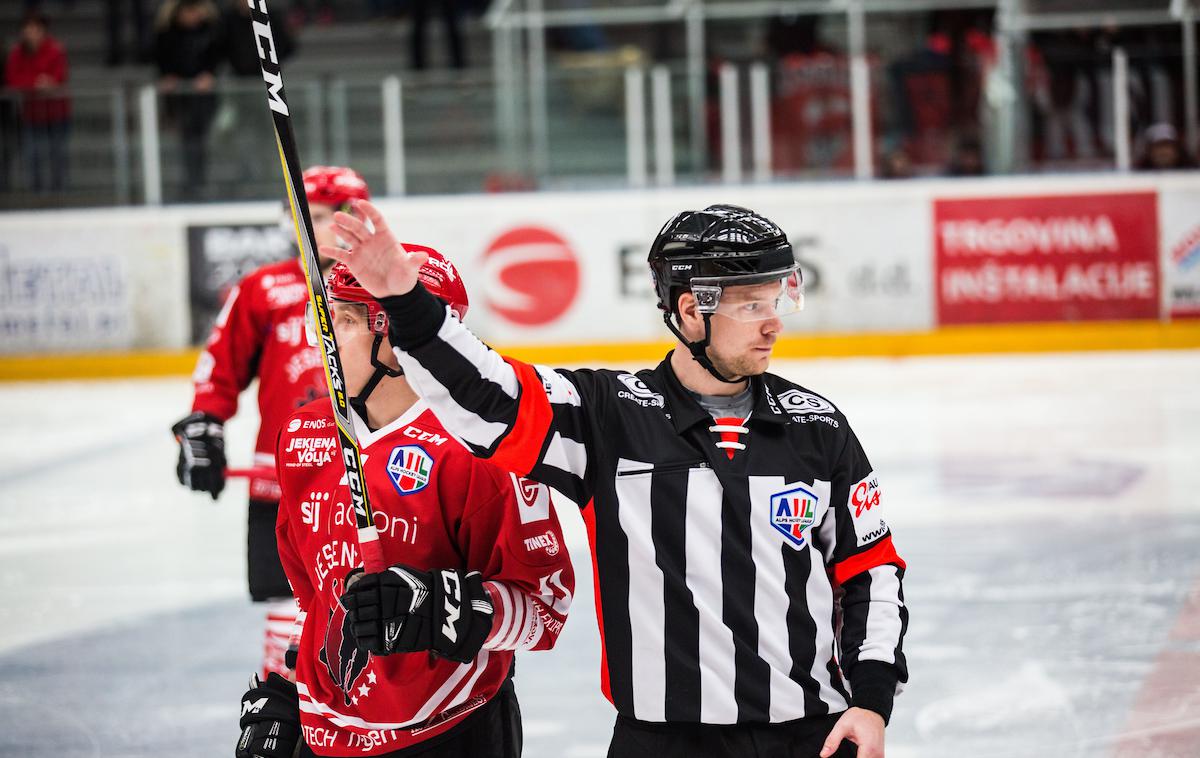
<point>793,511</point>
<point>409,467</point>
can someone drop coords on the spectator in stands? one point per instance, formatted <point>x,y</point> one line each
<point>896,164</point>
<point>244,122</point>
<point>304,11</point>
<point>967,159</point>
<point>451,16</point>
<point>238,42</point>
<point>37,68</point>
<point>8,130</point>
<point>1163,151</point>
<point>114,21</point>
<point>188,50</point>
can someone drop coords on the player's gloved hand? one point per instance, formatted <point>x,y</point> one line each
<point>404,610</point>
<point>270,719</point>
<point>201,453</point>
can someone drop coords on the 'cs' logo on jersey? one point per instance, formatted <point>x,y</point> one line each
<point>793,511</point>
<point>409,467</point>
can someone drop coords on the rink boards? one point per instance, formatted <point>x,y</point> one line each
<point>927,266</point>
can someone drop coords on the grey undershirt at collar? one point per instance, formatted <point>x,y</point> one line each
<point>724,406</point>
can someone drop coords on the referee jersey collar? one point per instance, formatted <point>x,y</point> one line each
<point>686,412</point>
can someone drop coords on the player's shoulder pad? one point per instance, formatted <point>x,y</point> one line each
<point>314,417</point>
<point>282,282</point>
<point>308,438</point>
<point>801,403</point>
<point>640,387</point>
<point>427,430</point>
<point>531,531</point>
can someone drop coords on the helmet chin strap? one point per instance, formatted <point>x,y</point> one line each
<point>699,349</point>
<point>359,401</point>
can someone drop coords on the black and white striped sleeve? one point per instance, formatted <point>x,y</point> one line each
<point>531,420</point>
<point>862,560</point>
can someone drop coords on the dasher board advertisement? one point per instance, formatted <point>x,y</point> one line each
<point>1047,258</point>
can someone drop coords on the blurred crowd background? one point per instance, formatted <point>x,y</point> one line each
<point>110,102</point>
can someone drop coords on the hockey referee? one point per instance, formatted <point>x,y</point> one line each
<point>750,597</point>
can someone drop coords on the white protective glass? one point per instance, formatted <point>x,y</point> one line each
<point>312,336</point>
<point>758,298</point>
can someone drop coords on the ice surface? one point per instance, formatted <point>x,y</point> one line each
<point>1046,506</point>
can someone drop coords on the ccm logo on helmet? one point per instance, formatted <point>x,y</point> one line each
<point>532,275</point>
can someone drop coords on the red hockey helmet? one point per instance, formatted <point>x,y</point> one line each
<point>438,275</point>
<point>335,186</point>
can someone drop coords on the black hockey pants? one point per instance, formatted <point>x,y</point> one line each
<point>801,738</point>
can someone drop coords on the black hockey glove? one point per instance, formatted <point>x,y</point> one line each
<point>201,453</point>
<point>270,719</point>
<point>404,610</point>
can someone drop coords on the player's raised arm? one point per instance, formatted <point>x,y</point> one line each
<point>530,420</point>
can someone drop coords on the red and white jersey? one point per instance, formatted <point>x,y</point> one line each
<point>260,332</point>
<point>435,507</point>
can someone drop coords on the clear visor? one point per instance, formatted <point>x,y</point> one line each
<point>751,298</point>
<point>348,318</point>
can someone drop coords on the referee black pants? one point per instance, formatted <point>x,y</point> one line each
<point>801,738</point>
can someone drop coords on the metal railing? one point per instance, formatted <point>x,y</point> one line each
<point>616,118</point>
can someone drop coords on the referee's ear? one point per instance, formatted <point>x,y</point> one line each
<point>691,323</point>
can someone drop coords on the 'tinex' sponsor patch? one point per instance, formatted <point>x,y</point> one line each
<point>546,541</point>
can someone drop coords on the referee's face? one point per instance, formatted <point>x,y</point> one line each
<point>743,348</point>
<point>740,348</point>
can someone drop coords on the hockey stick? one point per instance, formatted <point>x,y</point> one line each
<point>285,141</point>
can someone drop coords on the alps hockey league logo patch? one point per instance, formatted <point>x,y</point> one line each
<point>792,512</point>
<point>409,467</point>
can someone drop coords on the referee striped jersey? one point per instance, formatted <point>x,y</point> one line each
<point>752,588</point>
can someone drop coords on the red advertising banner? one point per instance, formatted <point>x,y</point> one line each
<point>1056,258</point>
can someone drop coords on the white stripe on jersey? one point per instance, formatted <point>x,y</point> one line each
<point>771,602</point>
<point>473,429</point>
<point>883,616</point>
<point>469,687</point>
<point>825,533</point>
<point>469,427</point>
<point>820,604</point>
<point>530,640</point>
<point>820,596</point>
<point>559,389</point>
<point>504,609</point>
<point>703,546</point>
<point>646,612</point>
<point>309,704</point>
<point>520,619</point>
<point>487,362</point>
<point>567,455</point>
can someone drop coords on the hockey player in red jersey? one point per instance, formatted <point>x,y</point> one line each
<point>416,659</point>
<point>259,333</point>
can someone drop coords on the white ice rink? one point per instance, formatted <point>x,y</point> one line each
<point>1047,507</point>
